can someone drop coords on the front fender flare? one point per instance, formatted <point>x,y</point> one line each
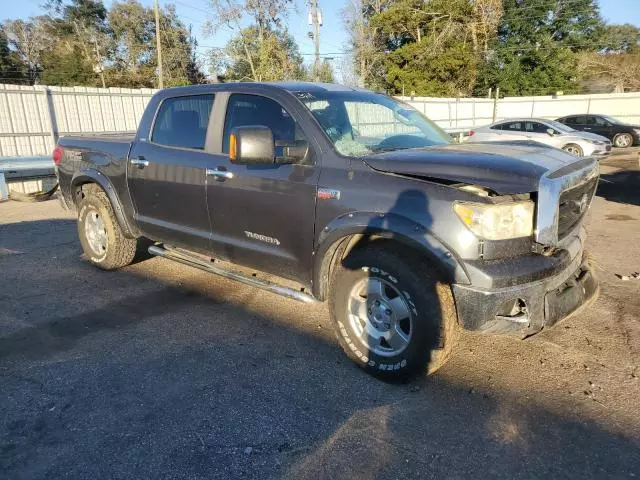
<point>90,175</point>
<point>392,226</point>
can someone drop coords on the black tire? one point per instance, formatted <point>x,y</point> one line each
<point>116,250</point>
<point>573,149</point>
<point>434,326</point>
<point>623,140</point>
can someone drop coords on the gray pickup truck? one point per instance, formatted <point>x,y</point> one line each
<point>348,196</point>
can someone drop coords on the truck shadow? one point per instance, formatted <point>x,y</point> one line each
<point>163,371</point>
<point>622,187</point>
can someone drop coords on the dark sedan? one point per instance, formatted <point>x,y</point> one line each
<point>621,134</point>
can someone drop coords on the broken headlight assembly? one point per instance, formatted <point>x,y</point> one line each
<point>498,221</point>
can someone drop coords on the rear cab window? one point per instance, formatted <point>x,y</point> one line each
<point>182,121</point>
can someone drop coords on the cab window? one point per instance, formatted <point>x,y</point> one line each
<point>251,110</point>
<point>182,121</point>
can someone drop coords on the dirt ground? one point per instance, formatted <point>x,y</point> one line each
<point>162,371</point>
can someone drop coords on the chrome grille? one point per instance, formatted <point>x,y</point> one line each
<point>573,205</point>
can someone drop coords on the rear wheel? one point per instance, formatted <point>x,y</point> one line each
<point>393,315</point>
<point>622,140</point>
<point>573,149</point>
<point>101,237</point>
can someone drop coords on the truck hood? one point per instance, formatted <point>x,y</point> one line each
<point>506,168</point>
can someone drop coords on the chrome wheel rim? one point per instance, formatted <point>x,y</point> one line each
<point>622,141</point>
<point>573,150</point>
<point>95,232</point>
<point>380,317</point>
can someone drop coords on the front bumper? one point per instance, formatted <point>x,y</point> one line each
<point>527,308</point>
<point>601,153</point>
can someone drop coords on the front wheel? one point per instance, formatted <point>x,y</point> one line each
<point>573,149</point>
<point>623,140</point>
<point>393,315</point>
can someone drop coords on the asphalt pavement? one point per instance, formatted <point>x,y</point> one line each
<point>162,371</point>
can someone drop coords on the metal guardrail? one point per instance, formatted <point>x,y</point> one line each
<point>23,168</point>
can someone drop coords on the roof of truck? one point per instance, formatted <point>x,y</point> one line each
<point>287,86</point>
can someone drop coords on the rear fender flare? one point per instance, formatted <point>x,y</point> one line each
<point>89,175</point>
<point>392,226</point>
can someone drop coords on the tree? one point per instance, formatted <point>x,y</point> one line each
<point>83,43</point>
<point>135,58</point>
<point>29,40</point>
<point>428,47</point>
<point>265,18</point>
<point>367,49</point>
<point>620,38</point>
<point>534,51</point>
<point>246,57</point>
<point>615,66</point>
<point>322,71</point>
<point>80,44</point>
<point>12,70</point>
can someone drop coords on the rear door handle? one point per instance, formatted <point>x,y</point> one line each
<point>218,173</point>
<point>140,162</point>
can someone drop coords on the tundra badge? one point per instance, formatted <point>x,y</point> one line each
<point>262,238</point>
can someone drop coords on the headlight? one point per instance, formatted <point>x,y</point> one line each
<point>637,130</point>
<point>596,142</point>
<point>497,221</point>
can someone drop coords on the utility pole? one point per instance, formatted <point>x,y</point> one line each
<point>495,103</point>
<point>158,45</point>
<point>99,68</point>
<point>316,18</point>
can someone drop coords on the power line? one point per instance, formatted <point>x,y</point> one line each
<point>191,6</point>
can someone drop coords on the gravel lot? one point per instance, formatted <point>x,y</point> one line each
<point>162,371</point>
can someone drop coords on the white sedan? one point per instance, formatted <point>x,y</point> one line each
<point>549,132</point>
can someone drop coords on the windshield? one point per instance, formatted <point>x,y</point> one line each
<point>560,126</point>
<point>361,123</point>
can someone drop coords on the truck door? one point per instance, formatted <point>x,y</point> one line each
<point>263,216</point>
<point>167,174</point>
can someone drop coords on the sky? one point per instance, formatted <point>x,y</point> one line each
<point>333,37</point>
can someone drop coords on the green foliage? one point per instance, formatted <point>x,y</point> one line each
<point>427,47</point>
<point>83,43</point>
<point>275,57</point>
<point>534,52</point>
<point>413,68</point>
<point>12,70</point>
<point>620,38</point>
<point>322,72</point>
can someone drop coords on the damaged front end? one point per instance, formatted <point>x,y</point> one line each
<point>522,276</point>
<point>551,282</point>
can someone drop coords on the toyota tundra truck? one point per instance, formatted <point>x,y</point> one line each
<point>347,196</point>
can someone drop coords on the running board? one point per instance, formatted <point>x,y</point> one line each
<point>196,262</point>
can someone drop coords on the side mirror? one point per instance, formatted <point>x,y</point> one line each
<point>252,145</point>
<point>291,152</point>
<point>551,132</point>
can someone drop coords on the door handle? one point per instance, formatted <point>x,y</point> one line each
<point>140,162</point>
<point>219,173</point>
